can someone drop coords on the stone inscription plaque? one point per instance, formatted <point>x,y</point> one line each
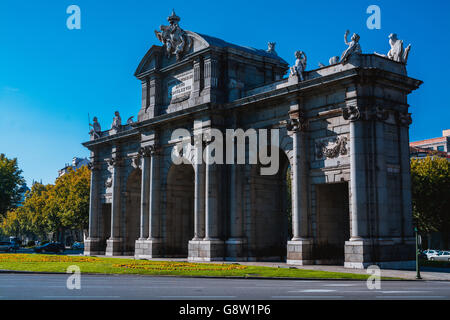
<point>180,86</point>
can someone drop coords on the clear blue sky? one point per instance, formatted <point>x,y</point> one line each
<point>51,77</point>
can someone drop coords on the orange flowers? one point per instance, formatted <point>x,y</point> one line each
<point>179,266</point>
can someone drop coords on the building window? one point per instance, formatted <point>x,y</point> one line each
<point>440,148</point>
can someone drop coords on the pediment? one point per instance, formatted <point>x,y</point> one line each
<point>156,57</point>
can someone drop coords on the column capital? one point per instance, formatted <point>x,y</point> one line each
<point>115,161</point>
<point>297,124</point>
<point>94,166</point>
<point>351,113</point>
<point>149,151</point>
<point>372,113</point>
<point>403,119</point>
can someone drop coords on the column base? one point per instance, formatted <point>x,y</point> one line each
<point>236,249</point>
<point>148,248</point>
<point>206,250</point>
<point>299,252</point>
<point>385,253</point>
<point>93,247</point>
<point>114,247</point>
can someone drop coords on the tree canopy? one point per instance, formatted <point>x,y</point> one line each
<point>431,193</point>
<point>11,181</point>
<point>47,208</point>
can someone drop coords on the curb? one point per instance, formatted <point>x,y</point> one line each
<point>201,277</point>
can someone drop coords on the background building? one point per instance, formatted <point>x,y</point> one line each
<point>436,146</point>
<point>76,164</point>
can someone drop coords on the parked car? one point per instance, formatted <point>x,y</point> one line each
<point>422,255</point>
<point>78,245</point>
<point>442,256</point>
<point>429,253</point>
<point>16,241</point>
<point>54,247</point>
<point>8,246</point>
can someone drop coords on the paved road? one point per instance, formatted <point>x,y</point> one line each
<point>93,287</point>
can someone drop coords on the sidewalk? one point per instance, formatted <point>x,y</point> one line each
<point>426,274</point>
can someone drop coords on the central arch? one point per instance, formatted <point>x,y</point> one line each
<point>271,213</point>
<point>180,210</point>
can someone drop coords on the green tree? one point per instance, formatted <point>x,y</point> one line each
<point>29,218</point>
<point>52,208</point>
<point>11,224</point>
<point>431,194</point>
<point>34,207</point>
<point>68,200</point>
<point>10,183</point>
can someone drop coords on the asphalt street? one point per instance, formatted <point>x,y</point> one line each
<point>123,287</point>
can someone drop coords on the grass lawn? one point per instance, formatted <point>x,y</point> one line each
<point>59,263</point>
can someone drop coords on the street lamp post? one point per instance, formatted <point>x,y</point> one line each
<point>417,254</point>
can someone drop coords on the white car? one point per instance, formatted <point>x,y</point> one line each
<point>442,256</point>
<point>429,253</point>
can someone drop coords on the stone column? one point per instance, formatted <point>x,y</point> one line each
<point>154,242</point>
<point>92,243</point>
<point>145,94</point>
<point>211,78</point>
<point>211,72</point>
<point>155,185</point>
<point>198,73</point>
<point>299,248</point>
<point>358,175</point>
<point>145,182</point>
<point>199,202</point>
<point>236,242</point>
<point>211,205</point>
<point>381,178</point>
<point>154,99</point>
<point>114,243</point>
<point>212,247</point>
<point>149,244</point>
<point>299,188</point>
<point>357,248</point>
<point>404,120</point>
<point>195,245</point>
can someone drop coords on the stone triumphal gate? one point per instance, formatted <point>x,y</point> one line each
<point>342,192</point>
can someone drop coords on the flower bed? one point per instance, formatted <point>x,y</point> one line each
<point>179,266</point>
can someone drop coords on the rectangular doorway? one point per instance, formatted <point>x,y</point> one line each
<point>333,222</point>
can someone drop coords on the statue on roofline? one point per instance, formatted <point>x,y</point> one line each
<point>117,121</point>
<point>353,46</point>
<point>271,48</point>
<point>174,39</point>
<point>300,65</point>
<point>96,129</point>
<point>396,53</point>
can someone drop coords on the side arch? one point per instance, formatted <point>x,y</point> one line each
<point>132,210</point>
